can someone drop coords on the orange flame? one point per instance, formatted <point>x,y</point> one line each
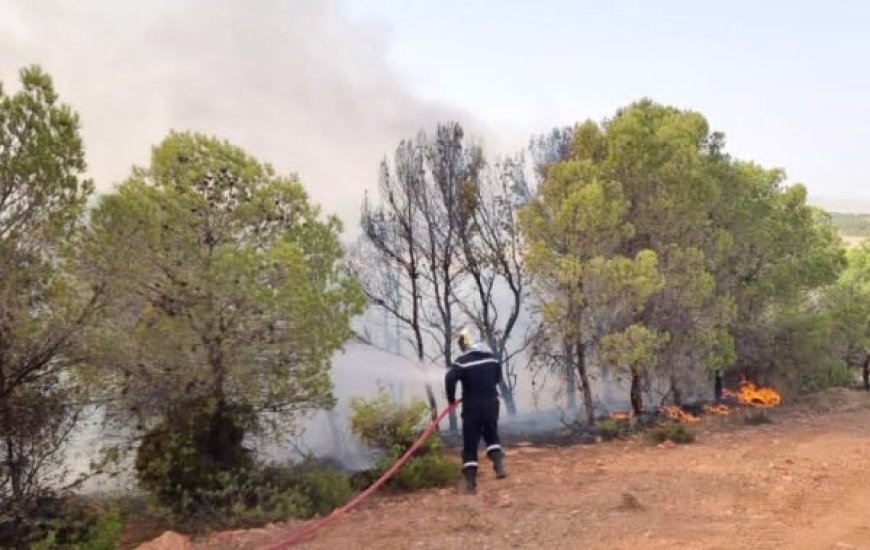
<point>719,409</point>
<point>620,415</point>
<point>677,414</point>
<point>757,396</point>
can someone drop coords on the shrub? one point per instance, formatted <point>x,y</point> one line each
<point>392,428</point>
<point>608,429</point>
<point>676,433</point>
<point>424,472</point>
<point>385,425</point>
<point>72,523</point>
<point>198,469</point>
<point>316,488</point>
<point>827,375</point>
<point>194,463</point>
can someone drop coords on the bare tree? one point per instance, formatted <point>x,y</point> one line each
<point>491,257</point>
<point>392,232</point>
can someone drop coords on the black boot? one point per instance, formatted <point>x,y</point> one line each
<point>470,480</point>
<point>498,464</point>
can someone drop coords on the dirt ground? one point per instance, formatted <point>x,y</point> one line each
<point>798,483</point>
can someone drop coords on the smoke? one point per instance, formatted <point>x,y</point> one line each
<point>298,84</point>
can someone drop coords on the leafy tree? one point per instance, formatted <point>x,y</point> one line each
<point>43,309</point>
<point>668,160</point>
<point>228,297</point>
<point>736,253</point>
<point>848,304</point>
<point>575,226</point>
<point>777,252</point>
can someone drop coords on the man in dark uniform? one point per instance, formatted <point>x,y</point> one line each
<point>480,373</point>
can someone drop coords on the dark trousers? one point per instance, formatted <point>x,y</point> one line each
<point>479,418</point>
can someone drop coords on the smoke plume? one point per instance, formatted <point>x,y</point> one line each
<point>298,83</point>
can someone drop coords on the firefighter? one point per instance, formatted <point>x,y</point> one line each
<point>480,373</point>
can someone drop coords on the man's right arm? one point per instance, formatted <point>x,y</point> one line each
<point>450,380</point>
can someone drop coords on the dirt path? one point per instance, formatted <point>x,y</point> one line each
<point>798,483</point>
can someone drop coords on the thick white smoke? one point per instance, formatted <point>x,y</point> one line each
<point>297,83</point>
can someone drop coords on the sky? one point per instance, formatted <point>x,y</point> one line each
<point>326,88</point>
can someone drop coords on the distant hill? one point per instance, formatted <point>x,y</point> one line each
<point>859,204</point>
<point>852,225</point>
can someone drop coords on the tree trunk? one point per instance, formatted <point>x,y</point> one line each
<point>717,387</point>
<point>430,397</point>
<point>220,436</point>
<point>504,389</point>
<point>13,461</point>
<point>571,388</point>
<point>867,373</point>
<point>508,396</point>
<point>636,393</point>
<point>584,384</point>
<point>14,468</point>
<point>675,392</point>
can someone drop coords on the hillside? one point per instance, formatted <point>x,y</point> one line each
<point>852,225</point>
<point>798,482</point>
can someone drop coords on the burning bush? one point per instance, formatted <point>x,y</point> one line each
<point>755,395</point>
<point>677,414</point>
<point>392,428</point>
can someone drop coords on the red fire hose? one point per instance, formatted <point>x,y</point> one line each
<point>293,538</point>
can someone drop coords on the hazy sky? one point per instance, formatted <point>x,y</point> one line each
<point>326,88</point>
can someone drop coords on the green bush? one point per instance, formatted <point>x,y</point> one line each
<point>392,428</point>
<point>201,474</point>
<point>676,433</point>
<point>385,425</point>
<point>194,463</point>
<point>71,523</point>
<point>827,375</point>
<point>608,429</point>
<point>424,472</point>
<point>316,488</point>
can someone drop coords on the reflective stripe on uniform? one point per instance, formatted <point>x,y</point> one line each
<point>490,361</point>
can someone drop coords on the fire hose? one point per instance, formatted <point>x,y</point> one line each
<point>306,531</point>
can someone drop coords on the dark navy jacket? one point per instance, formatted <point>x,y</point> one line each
<point>479,372</point>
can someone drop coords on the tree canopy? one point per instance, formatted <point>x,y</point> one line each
<point>225,281</point>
